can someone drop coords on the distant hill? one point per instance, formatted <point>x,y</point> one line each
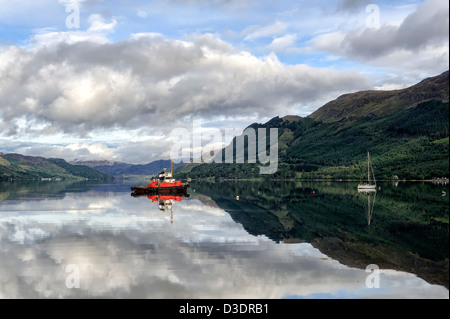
<point>379,103</point>
<point>119,169</point>
<point>406,132</point>
<point>20,167</point>
<point>94,163</point>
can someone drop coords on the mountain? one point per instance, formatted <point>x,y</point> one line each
<point>406,132</point>
<point>120,169</point>
<point>379,103</point>
<point>20,167</point>
<point>94,163</point>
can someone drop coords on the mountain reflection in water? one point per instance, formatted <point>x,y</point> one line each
<point>407,228</point>
<point>276,240</point>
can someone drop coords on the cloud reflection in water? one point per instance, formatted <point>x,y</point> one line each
<point>127,248</point>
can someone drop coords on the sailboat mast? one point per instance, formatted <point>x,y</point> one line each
<point>368,185</point>
<point>373,175</point>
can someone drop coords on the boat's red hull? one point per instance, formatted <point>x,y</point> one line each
<point>141,190</point>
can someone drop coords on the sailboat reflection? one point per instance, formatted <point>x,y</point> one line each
<point>371,196</point>
<point>165,201</point>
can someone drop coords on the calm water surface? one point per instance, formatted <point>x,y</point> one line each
<point>226,240</point>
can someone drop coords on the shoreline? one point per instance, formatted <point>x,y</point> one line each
<point>445,182</point>
<point>310,180</point>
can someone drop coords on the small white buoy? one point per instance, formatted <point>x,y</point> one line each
<point>237,197</point>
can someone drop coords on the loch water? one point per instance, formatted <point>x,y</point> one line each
<point>230,239</point>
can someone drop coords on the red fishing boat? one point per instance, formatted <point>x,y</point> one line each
<point>164,183</point>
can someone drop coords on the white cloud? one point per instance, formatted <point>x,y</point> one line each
<point>145,81</point>
<point>98,31</point>
<point>133,152</point>
<point>80,151</point>
<point>281,43</point>
<point>256,32</point>
<point>142,14</point>
<point>419,42</point>
<point>98,24</point>
<point>330,42</point>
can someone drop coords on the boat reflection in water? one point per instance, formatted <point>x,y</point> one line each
<point>371,196</point>
<point>164,200</point>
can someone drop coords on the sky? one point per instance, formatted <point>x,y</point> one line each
<point>112,80</point>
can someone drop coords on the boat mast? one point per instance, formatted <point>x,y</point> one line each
<point>171,168</point>
<point>368,163</point>
<point>373,175</point>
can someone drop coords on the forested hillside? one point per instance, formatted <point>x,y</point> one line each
<point>407,141</point>
<point>20,167</point>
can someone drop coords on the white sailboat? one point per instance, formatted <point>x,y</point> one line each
<point>370,186</point>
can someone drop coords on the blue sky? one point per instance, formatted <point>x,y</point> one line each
<point>260,27</point>
<point>108,88</point>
